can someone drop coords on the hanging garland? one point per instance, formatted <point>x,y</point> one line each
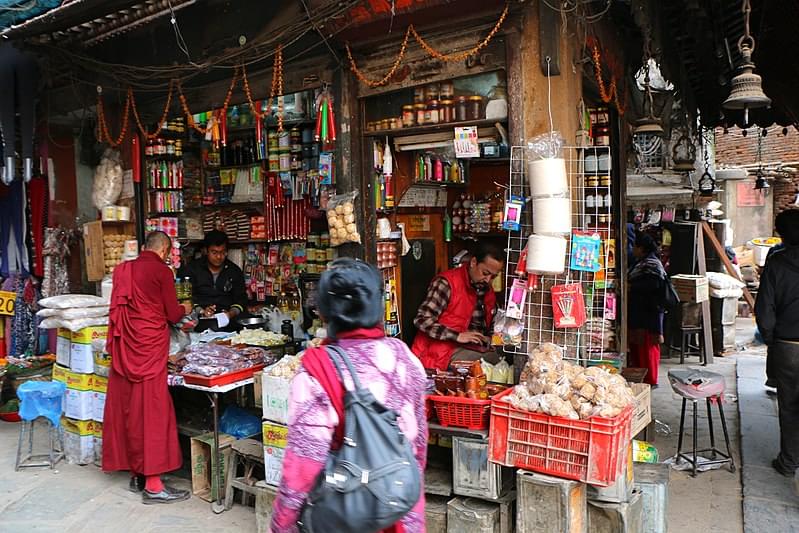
<point>610,93</point>
<point>276,89</point>
<point>102,127</point>
<point>190,117</point>
<point>432,52</point>
<point>160,125</point>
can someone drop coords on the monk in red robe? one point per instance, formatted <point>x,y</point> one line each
<point>139,430</point>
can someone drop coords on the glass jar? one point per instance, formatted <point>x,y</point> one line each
<point>604,181</point>
<point>149,149</point>
<point>324,240</point>
<point>474,110</point>
<point>421,112</point>
<point>460,109</point>
<point>394,123</point>
<point>447,90</point>
<point>408,116</point>
<point>447,111</point>
<point>601,136</point>
<point>592,181</point>
<point>418,94</point>
<point>385,124</point>
<point>170,147</point>
<point>431,91</point>
<point>160,149</point>
<point>432,115</point>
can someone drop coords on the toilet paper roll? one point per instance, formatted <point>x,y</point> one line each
<point>552,216</point>
<point>547,177</point>
<point>546,254</point>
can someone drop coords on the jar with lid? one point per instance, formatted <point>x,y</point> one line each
<point>447,90</point>
<point>431,91</point>
<point>418,94</point>
<point>408,116</point>
<point>149,149</point>
<point>460,109</point>
<point>324,240</point>
<point>161,147</point>
<point>474,110</point>
<point>431,116</point>
<point>170,147</point>
<point>421,111</point>
<point>394,123</point>
<point>592,181</point>
<point>178,147</point>
<point>447,111</point>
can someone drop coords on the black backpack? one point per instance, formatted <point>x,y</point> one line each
<point>373,480</point>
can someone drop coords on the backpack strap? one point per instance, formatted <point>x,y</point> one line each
<point>332,351</point>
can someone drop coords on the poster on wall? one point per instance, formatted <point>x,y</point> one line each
<point>748,196</point>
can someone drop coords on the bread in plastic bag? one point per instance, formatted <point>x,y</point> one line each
<point>341,219</point>
<point>66,301</point>
<point>107,185</point>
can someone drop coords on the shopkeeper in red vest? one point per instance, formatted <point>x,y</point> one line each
<point>455,319</point>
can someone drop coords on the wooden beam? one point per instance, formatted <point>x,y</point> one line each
<point>706,229</point>
<point>707,327</point>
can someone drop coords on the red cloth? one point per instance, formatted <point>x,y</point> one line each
<point>457,316</point>
<point>318,364</point>
<point>37,195</point>
<point>645,353</point>
<point>139,429</point>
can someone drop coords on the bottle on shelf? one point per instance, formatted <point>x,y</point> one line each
<point>447,226</point>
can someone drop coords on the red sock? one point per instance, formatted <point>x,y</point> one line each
<point>153,484</point>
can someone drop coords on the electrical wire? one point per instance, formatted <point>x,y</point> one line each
<point>549,97</point>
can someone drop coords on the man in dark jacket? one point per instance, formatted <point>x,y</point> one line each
<point>777,312</point>
<point>217,284</point>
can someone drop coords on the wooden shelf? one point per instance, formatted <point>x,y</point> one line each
<point>234,167</point>
<point>229,205</point>
<point>489,235</point>
<point>171,158</point>
<point>164,188</point>
<point>432,128</point>
<point>440,184</point>
<point>489,161</point>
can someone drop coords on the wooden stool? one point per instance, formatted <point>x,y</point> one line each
<point>249,452</point>
<point>688,334</point>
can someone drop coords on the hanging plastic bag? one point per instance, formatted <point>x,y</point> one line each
<point>107,186</point>
<point>341,218</point>
<point>502,373</point>
<point>41,398</point>
<point>239,423</point>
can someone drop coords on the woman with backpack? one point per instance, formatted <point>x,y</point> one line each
<point>647,281</point>
<point>351,301</point>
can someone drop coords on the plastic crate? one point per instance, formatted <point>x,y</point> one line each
<point>592,451</point>
<point>461,412</point>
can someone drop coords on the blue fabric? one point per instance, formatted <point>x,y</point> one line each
<point>41,398</point>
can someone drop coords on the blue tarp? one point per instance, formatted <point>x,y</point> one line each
<point>15,12</point>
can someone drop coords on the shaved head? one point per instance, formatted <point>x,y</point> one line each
<point>157,241</point>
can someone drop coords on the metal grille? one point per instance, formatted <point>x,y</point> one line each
<point>648,152</point>
<point>578,343</point>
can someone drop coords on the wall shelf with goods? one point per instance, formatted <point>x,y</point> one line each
<point>416,127</point>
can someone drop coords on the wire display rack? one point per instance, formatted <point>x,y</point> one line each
<point>595,340</point>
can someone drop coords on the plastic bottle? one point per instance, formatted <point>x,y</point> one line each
<point>447,227</point>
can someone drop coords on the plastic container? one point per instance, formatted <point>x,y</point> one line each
<point>761,247</point>
<point>592,451</point>
<point>461,412</point>
<point>221,379</point>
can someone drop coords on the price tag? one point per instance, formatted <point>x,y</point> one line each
<point>7,300</point>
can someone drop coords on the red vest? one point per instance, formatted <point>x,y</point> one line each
<point>457,316</point>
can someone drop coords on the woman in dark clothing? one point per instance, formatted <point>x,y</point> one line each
<point>645,312</point>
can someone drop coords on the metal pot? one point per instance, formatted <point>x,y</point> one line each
<point>252,322</point>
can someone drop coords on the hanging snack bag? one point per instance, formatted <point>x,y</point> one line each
<point>568,305</point>
<point>341,219</point>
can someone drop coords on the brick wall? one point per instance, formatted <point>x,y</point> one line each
<point>733,148</point>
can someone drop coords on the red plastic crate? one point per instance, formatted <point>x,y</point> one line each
<point>592,451</point>
<point>461,412</point>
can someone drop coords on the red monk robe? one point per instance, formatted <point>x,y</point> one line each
<point>139,428</point>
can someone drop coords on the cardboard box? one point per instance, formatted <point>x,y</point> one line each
<point>275,399</point>
<point>77,381</point>
<point>204,464</point>
<point>691,288</point>
<point>102,363</point>
<point>98,444</point>
<point>78,441</point>
<point>81,359</point>
<point>78,404</point>
<point>63,346</point>
<point>642,415</point>
<point>87,335</point>
<point>275,439</point>
<point>60,373</point>
<point>99,390</point>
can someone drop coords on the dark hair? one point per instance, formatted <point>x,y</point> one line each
<point>787,225</point>
<point>216,238</point>
<point>350,296</point>
<point>646,243</point>
<point>156,240</point>
<point>485,250</point>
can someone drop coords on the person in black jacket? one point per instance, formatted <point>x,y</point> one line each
<point>217,284</point>
<point>777,312</point>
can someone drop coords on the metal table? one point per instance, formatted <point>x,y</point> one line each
<point>218,505</point>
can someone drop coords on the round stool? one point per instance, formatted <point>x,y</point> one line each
<point>693,385</point>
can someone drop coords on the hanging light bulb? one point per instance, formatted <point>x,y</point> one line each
<point>746,87</point>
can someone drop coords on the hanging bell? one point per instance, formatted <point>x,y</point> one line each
<point>648,126</point>
<point>760,182</point>
<point>747,87</point>
<point>683,154</point>
<point>707,185</point>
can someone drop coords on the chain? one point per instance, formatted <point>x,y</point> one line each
<point>462,55</point>
<point>103,133</point>
<point>760,148</point>
<point>160,126</point>
<point>382,81</point>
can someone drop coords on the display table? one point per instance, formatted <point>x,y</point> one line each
<point>218,505</point>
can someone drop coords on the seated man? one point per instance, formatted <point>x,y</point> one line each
<point>456,317</point>
<point>217,284</point>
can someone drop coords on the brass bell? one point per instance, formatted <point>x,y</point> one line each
<point>747,87</point>
<point>648,126</point>
<point>683,154</point>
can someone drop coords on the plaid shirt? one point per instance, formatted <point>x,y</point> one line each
<point>437,300</point>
